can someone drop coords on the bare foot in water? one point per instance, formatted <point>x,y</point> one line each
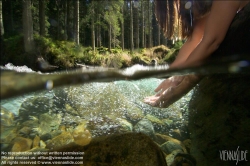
<point>171,90</point>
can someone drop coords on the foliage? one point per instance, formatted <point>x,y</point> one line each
<point>91,57</point>
<point>170,57</point>
<point>178,44</point>
<point>14,52</point>
<point>102,18</point>
<point>13,49</point>
<point>66,54</point>
<point>112,15</point>
<point>14,45</point>
<point>61,53</point>
<point>160,51</point>
<point>99,20</point>
<point>35,14</point>
<point>60,20</point>
<point>141,58</point>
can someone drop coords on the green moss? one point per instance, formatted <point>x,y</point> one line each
<point>154,120</point>
<point>60,53</point>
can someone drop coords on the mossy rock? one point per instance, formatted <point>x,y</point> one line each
<point>121,149</point>
<point>34,106</point>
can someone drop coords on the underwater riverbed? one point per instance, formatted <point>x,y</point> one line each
<point>51,119</point>
<point>76,115</point>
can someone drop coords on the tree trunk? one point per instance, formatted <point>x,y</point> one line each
<point>42,17</point>
<point>114,39</point>
<point>131,28</point>
<point>27,26</point>
<point>1,20</point>
<point>11,17</point>
<point>163,39</point>
<point>143,26</point>
<point>69,20</point>
<point>77,22</point>
<point>122,26</point>
<point>110,37</point>
<point>159,35</point>
<point>93,31</point>
<point>149,26</point>
<point>1,30</point>
<point>65,19</point>
<point>98,33</point>
<point>137,27</point>
<point>58,20</point>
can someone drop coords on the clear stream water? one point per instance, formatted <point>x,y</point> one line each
<point>106,101</point>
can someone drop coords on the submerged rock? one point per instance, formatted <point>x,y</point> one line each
<point>169,146</point>
<point>42,144</point>
<point>44,66</point>
<point>49,122</point>
<point>118,149</point>
<point>36,142</point>
<point>187,144</point>
<point>81,135</point>
<point>41,124</point>
<point>159,125</point>
<point>34,106</point>
<point>220,118</point>
<point>168,123</point>
<point>171,157</point>
<point>125,124</point>
<point>59,141</point>
<point>161,139</point>
<point>146,127</point>
<point>7,117</point>
<point>25,131</point>
<point>100,99</point>
<point>21,144</point>
<point>121,149</point>
<point>7,135</point>
<point>100,126</point>
<point>8,129</point>
<point>177,158</point>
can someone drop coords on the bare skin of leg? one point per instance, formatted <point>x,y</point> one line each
<point>171,90</point>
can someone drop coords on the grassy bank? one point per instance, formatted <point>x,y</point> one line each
<point>66,54</point>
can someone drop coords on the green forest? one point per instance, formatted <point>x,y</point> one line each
<point>66,33</point>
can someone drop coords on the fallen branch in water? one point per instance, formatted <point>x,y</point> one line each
<point>17,83</point>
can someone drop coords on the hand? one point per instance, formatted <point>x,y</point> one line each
<point>172,89</point>
<point>161,91</point>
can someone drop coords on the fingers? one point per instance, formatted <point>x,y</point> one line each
<point>158,101</point>
<point>152,100</point>
<point>167,98</point>
<point>173,93</point>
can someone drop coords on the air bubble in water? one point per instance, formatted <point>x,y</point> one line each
<point>49,85</point>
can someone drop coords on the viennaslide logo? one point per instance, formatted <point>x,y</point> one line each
<point>234,155</point>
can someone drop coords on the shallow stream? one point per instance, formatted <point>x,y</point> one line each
<point>48,111</point>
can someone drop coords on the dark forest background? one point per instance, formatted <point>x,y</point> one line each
<point>53,28</point>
